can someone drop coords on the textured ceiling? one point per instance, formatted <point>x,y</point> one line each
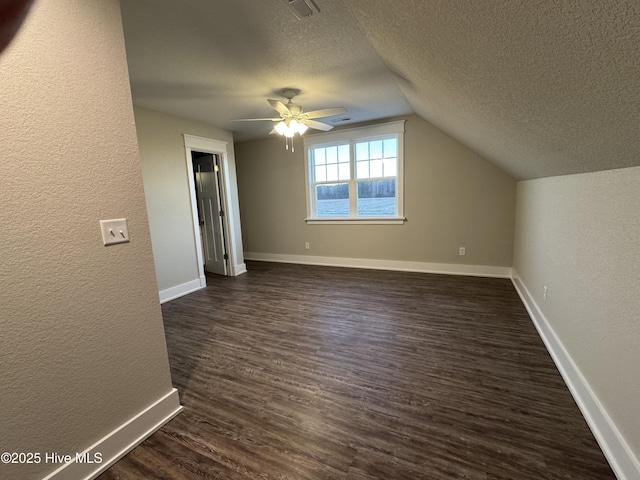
<point>539,87</point>
<point>216,61</point>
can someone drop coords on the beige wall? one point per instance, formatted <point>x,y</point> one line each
<point>166,186</point>
<point>82,346</point>
<point>453,198</point>
<point>580,236</point>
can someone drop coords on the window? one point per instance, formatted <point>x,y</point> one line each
<point>355,175</point>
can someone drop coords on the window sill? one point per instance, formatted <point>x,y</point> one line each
<point>356,221</point>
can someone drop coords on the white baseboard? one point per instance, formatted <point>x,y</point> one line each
<point>122,440</point>
<point>621,458</point>
<point>183,289</point>
<point>239,269</point>
<point>403,266</point>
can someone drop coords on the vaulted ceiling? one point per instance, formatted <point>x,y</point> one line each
<point>538,87</point>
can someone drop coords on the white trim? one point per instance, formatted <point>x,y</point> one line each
<point>200,144</point>
<point>191,286</point>
<point>240,269</point>
<point>398,265</point>
<point>121,441</point>
<point>231,226</point>
<point>351,136</point>
<point>346,134</point>
<point>203,144</point>
<point>620,456</point>
<point>355,220</point>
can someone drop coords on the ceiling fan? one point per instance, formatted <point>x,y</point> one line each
<point>293,119</point>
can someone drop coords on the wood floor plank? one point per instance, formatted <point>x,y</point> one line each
<point>302,372</point>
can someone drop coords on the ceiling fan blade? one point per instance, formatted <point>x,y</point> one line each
<point>257,119</point>
<point>279,106</point>
<point>326,112</point>
<point>318,125</point>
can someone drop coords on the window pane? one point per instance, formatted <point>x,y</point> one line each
<point>362,151</point>
<point>362,169</point>
<point>377,198</point>
<point>343,153</point>
<point>321,173</point>
<point>319,156</point>
<point>376,168</point>
<point>343,171</point>
<point>332,154</point>
<point>375,149</point>
<point>390,167</point>
<point>332,200</point>
<point>368,167</point>
<point>332,172</point>
<point>391,148</point>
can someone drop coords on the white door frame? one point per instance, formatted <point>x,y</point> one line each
<point>216,147</point>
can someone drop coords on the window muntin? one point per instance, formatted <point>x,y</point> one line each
<point>331,163</point>
<point>356,177</point>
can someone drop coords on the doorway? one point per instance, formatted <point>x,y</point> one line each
<point>210,205</point>
<point>228,193</point>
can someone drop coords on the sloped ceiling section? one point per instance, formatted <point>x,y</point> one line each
<point>539,87</point>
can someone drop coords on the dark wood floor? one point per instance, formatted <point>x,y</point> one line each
<point>294,372</point>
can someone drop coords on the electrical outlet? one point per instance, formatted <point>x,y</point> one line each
<point>307,245</point>
<point>462,251</point>
<point>545,293</point>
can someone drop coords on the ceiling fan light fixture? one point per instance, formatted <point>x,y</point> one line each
<point>288,128</point>
<point>281,128</point>
<point>294,120</point>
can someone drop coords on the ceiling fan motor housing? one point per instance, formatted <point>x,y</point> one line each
<point>289,93</point>
<point>294,108</point>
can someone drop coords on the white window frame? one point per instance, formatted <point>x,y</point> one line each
<point>355,135</point>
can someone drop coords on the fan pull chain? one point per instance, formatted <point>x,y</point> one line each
<point>286,144</point>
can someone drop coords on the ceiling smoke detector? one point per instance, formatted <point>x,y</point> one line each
<point>302,8</point>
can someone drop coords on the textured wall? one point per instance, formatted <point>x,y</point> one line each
<point>453,198</point>
<point>580,236</point>
<point>82,346</point>
<point>166,187</point>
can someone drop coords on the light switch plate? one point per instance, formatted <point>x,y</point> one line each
<point>114,231</point>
